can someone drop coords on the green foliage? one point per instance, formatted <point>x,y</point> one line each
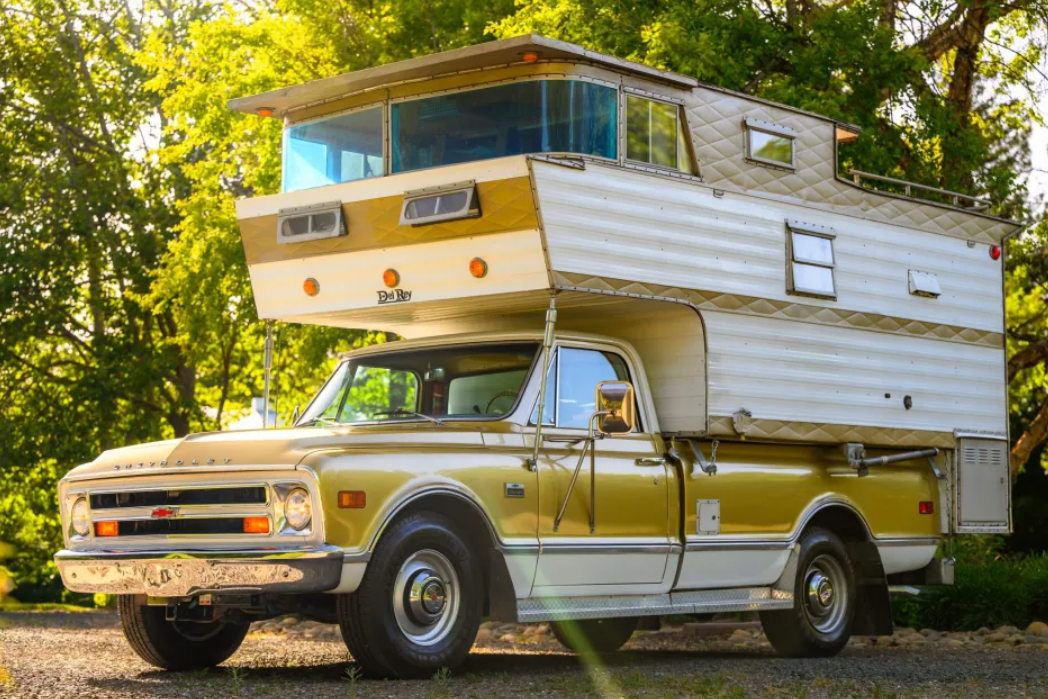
<point>989,593</point>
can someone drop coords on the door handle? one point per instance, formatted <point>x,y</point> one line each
<point>651,461</point>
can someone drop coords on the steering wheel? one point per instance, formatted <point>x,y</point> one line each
<point>500,394</point>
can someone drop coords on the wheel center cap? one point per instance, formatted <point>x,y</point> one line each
<point>433,596</point>
<point>820,592</point>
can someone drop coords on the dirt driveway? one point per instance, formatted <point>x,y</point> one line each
<point>84,655</point>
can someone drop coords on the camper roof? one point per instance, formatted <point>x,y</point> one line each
<point>479,56</point>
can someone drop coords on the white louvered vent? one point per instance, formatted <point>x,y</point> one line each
<point>983,484</point>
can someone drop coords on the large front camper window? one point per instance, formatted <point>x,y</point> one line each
<point>538,116</point>
<point>330,151</point>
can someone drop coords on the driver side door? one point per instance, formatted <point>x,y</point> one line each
<point>627,549</point>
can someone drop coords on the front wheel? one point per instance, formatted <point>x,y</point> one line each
<point>418,608</point>
<point>590,636</point>
<point>819,625</point>
<point>177,645</point>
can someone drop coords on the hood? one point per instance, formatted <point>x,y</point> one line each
<point>276,448</point>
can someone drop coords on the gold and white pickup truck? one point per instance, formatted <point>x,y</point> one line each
<point>762,387</point>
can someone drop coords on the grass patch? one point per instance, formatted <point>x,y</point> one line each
<point>1001,592</point>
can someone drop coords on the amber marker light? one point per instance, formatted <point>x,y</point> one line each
<point>390,278</point>
<point>927,507</point>
<point>352,499</point>
<point>256,525</point>
<point>311,286</point>
<point>107,528</point>
<point>264,111</point>
<point>530,56</point>
<point>478,268</point>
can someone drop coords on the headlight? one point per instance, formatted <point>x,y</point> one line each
<point>80,518</point>
<point>298,511</point>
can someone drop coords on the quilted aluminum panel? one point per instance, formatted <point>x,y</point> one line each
<point>827,433</point>
<point>789,310</point>
<point>716,122</point>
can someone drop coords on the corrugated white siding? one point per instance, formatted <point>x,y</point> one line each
<point>785,370</point>
<point>629,225</point>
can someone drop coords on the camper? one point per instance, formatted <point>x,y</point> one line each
<point>660,356</point>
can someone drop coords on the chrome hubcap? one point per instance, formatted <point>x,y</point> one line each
<point>825,595</point>
<point>425,597</point>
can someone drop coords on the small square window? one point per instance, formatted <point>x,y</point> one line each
<point>810,261</point>
<point>770,143</point>
<point>655,134</point>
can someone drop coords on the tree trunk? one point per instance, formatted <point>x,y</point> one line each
<point>1030,439</point>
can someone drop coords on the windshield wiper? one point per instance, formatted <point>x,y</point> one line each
<point>401,411</point>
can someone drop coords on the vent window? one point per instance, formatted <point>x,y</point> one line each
<point>810,260</point>
<point>770,143</point>
<point>302,223</point>
<point>447,203</point>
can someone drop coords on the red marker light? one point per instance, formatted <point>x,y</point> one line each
<point>927,507</point>
<point>995,252</point>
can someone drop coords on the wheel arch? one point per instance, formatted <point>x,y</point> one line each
<point>475,523</point>
<point>873,615</point>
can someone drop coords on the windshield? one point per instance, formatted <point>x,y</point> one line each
<point>428,383</point>
<point>537,116</point>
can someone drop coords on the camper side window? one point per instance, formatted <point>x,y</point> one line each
<point>810,262</point>
<point>771,144</point>
<point>655,134</point>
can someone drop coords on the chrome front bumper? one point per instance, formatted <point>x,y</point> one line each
<point>189,573</point>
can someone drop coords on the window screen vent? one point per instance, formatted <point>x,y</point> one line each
<point>447,203</point>
<point>313,222</point>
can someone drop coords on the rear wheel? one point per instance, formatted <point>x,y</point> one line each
<point>590,636</point>
<point>418,608</point>
<point>177,645</point>
<point>820,622</point>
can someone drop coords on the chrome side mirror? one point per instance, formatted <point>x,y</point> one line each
<point>615,407</point>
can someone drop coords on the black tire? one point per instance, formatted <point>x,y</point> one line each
<point>590,636</point>
<point>816,627</point>
<point>373,623</point>
<point>177,645</point>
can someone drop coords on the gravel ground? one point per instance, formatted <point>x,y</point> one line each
<point>84,655</point>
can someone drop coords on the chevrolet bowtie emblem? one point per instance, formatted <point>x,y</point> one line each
<point>164,512</point>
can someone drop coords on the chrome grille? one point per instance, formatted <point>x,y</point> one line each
<point>241,495</point>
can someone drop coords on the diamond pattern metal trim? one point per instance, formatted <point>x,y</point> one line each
<point>750,305</point>
<point>786,431</point>
<point>716,122</point>
<point>375,223</point>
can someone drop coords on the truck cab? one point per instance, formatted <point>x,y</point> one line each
<point>659,358</point>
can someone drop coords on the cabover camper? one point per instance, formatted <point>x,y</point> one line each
<point>660,356</point>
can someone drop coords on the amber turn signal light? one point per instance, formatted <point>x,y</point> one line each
<point>390,278</point>
<point>256,525</point>
<point>107,528</point>
<point>352,499</point>
<point>478,268</point>
<point>311,286</point>
<point>927,507</point>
